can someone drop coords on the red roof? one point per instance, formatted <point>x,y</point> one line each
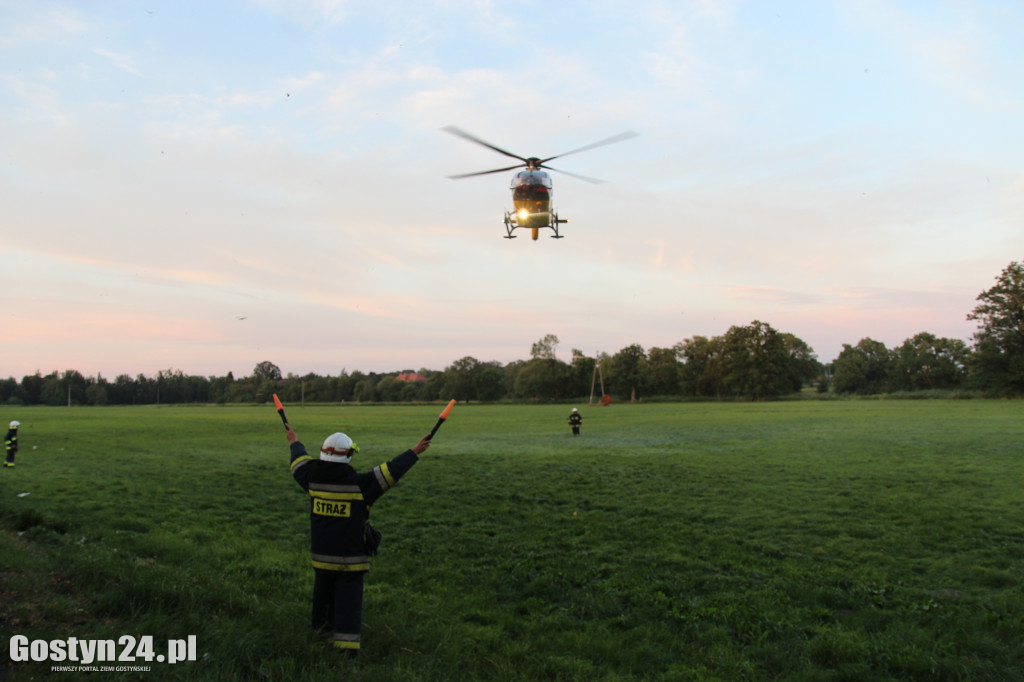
<point>411,376</point>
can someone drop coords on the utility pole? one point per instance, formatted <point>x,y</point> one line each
<point>593,381</point>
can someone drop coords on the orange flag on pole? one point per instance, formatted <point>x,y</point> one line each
<point>440,420</point>
<point>280,410</point>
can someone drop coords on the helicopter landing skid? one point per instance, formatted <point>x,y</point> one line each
<point>511,224</point>
<point>554,225</point>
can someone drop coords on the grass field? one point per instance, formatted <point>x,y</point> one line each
<point>833,540</point>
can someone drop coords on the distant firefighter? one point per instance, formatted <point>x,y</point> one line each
<point>11,444</point>
<point>575,421</point>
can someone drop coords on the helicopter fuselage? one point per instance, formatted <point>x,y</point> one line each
<point>531,196</point>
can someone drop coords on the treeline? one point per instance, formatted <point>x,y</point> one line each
<point>750,362</point>
<point>754,362</point>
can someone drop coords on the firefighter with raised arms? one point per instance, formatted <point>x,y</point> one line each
<point>340,501</point>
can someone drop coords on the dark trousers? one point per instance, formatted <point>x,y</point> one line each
<point>338,606</point>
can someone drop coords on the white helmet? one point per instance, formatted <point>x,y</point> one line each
<point>338,448</point>
<point>15,424</point>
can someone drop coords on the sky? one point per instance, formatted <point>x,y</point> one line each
<point>203,186</point>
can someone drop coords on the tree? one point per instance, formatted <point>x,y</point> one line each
<point>545,348</point>
<point>863,369</point>
<point>365,390</point>
<point>63,389</point>
<point>218,391</point>
<point>998,360</point>
<point>490,381</point>
<point>11,393</point>
<point>627,371</point>
<point>32,385</point>
<point>544,376</point>
<point>663,371</point>
<point>541,379</point>
<point>703,368</point>
<point>758,362</point>
<point>390,389</point>
<point>581,374</point>
<point>54,392</point>
<point>803,365</point>
<point>242,391</point>
<point>460,378</point>
<point>96,394</point>
<point>431,390</point>
<point>928,362</point>
<point>511,370</point>
<point>265,371</point>
<point>755,361</point>
<point>177,387</point>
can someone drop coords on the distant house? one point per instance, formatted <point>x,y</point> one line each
<point>411,377</point>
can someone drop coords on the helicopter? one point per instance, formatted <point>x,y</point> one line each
<point>532,187</point>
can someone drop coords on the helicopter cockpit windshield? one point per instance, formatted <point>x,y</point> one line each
<point>531,185</point>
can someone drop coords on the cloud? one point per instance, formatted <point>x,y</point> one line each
<point>948,45</point>
<point>767,294</point>
<point>308,13</point>
<point>36,94</point>
<point>28,26</point>
<point>119,60</point>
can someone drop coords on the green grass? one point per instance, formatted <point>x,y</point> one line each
<point>835,540</point>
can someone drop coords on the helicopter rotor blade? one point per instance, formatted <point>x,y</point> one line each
<point>593,181</point>
<point>488,172</point>
<point>611,140</point>
<point>459,132</point>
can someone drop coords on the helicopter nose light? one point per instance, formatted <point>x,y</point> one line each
<point>523,214</point>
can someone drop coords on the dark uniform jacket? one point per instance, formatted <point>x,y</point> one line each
<point>11,443</point>
<point>339,505</point>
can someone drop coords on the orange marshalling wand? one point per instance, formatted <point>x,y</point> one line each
<point>440,420</point>
<point>280,410</point>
